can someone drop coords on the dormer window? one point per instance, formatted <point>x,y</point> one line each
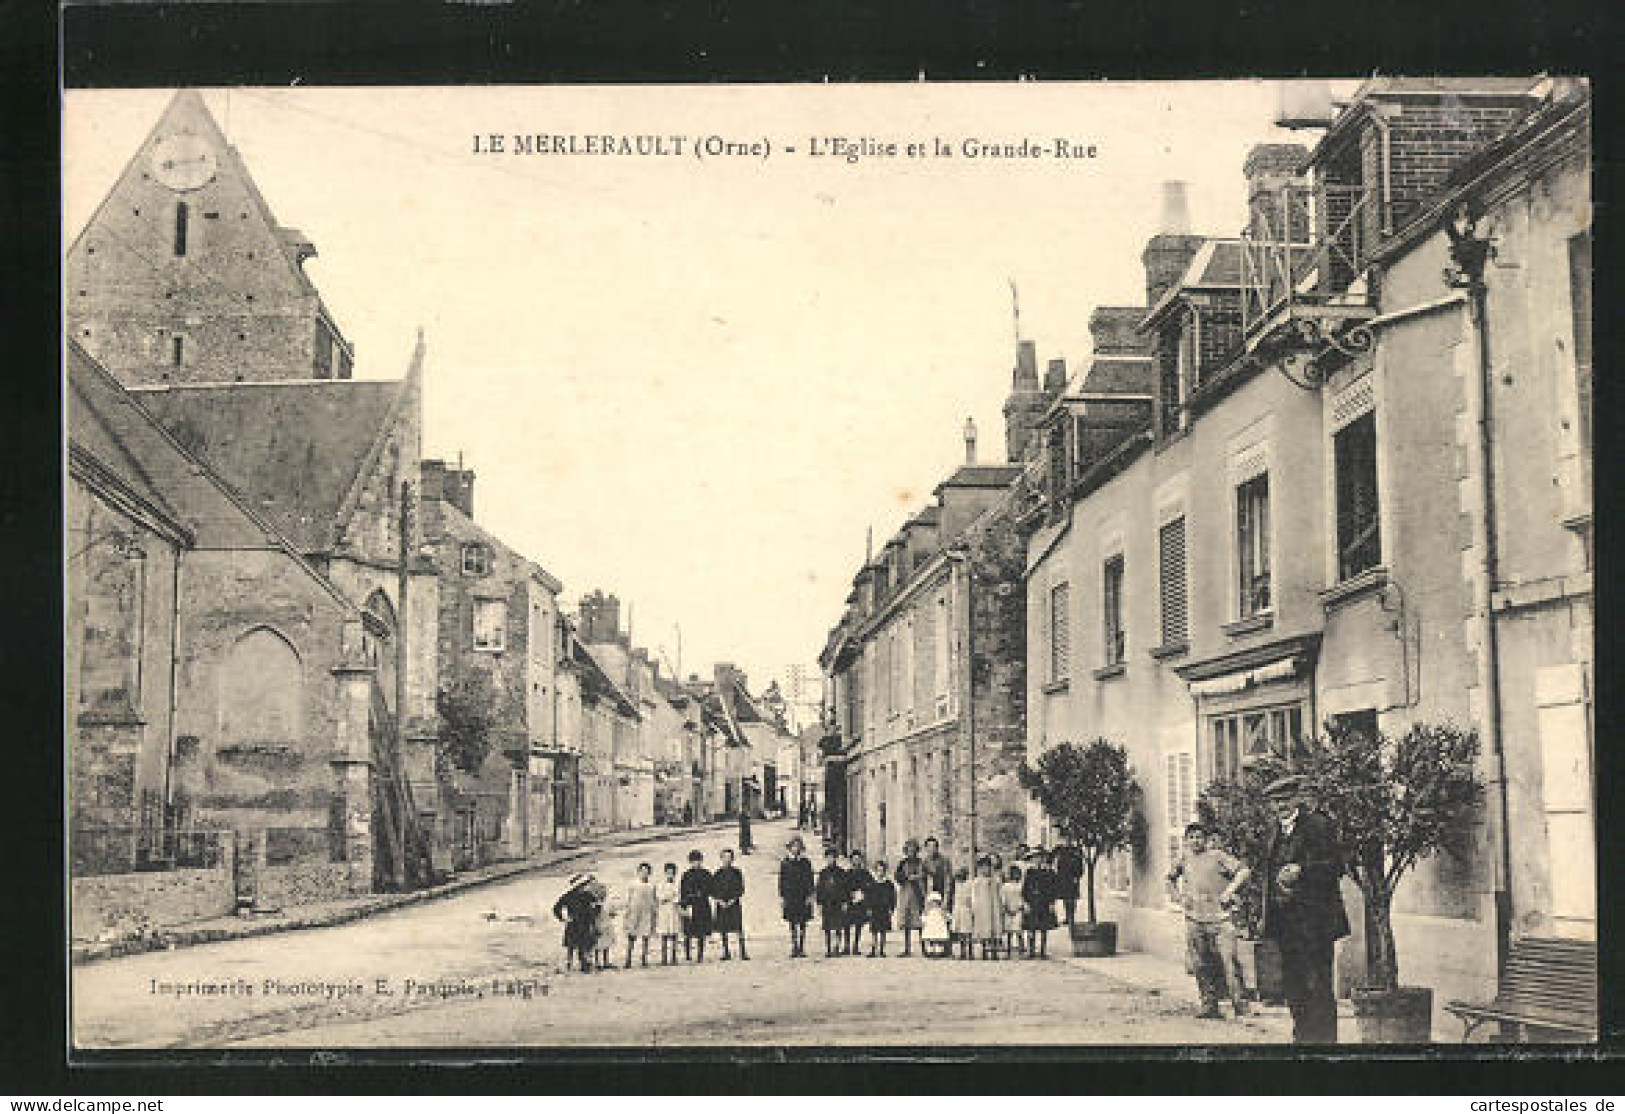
<point>476,559</point>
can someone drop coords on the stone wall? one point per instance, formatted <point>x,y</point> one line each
<point>121,904</point>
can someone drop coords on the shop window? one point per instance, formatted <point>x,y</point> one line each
<point>1238,739</point>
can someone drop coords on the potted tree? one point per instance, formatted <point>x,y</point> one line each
<point>1394,802</point>
<point>1235,812</point>
<point>1090,794</point>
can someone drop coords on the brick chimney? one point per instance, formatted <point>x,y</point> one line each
<point>459,489</point>
<point>1275,212</point>
<point>432,479</point>
<point>600,618</point>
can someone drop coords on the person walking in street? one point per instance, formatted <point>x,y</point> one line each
<point>1038,889</point>
<point>668,914</point>
<point>1014,906</point>
<point>1204,882</point>
<point>577,907</point>
<point>796,889</point>
<point>939,872</point>
<point>912,886</point>
<point>728,891</point>
<point>694,896</point>
<point>1303,910</point>
<point>1068,874</point>
<point>745,843</point>
<point>858,879</point>
<point>986,912</point>
<point>831,893</point>
<point>642,904</point>
<point>880,899</point>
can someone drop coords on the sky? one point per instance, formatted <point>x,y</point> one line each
<point>698,383</point>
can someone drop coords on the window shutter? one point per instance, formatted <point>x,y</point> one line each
<point>1180,799</point>
<point>1171,567</point>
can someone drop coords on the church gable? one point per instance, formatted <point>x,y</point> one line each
<point>183,275</point>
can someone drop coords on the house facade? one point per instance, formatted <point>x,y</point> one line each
<point>1297,532</point>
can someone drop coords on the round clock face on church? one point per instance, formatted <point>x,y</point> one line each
<point>183,162</point>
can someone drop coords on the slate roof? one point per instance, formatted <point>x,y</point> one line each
<point>111,431</point>
<point>1108,375</point>
<point>983,475</point>
<point>293,449</point>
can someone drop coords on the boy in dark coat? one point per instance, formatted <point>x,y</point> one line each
<point>831,894</point>
<point>694,898</point>
<point>728,890</point>
<point>796,888</point>
<point>880,899</point>
<point>1069,873</point>
<point>577,907</point>
<point>858,879</point>
<point>1039,888</point>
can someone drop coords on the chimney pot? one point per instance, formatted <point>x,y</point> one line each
<point>1175,219</point>
<point>970,441</point>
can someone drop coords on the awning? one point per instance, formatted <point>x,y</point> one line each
<point>1282,670</point>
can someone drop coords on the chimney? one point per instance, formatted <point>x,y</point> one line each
<point>1026,373</point>
<point>600,618</point>
<point>1055,378</point>
<point>1276,212</point>
<point>457,488</point>
<point>432,479</point>
<point>1169,252</point>
<point>970,441</point>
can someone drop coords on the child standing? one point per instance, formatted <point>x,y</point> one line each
<point>961,919</point>
<point>610,907</point>
<point>1013,908</point>
<point>857,912</point>
<point>934,933</point>
<point>1204,882</point>
<point>694,896</point>
<point>641,907</point>
<point>668,918</point>
<point>986,912</point>
<point>577,908</point>
<point>831,894</point>
<point>1038,892</point>
<point>880,898</point>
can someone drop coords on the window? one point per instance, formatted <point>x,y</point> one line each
<point>490,624</point>
<point>1363,722</point>
<point>907,635</point>
<point>1253,545</point>
<point>1111,609</point>
<point>1172,585</point>
<point>1580,303</point>
<point>1237,739</point>
<point>941,647</point>
<point>181,214</point>
<point>1359,541</point>
<point>177,350</point>
<point>1179,799</point>
<point>1059,632</point>
<point>476,560</point>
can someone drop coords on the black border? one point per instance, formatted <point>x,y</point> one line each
<point>625,41</point>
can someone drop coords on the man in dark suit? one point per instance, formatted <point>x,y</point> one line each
<point>1303,909</point>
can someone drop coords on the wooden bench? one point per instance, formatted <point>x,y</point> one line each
<point>1548,988</point>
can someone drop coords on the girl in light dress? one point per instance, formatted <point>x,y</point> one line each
<point>641,906</point>
<point>961,919</point>
<point>986,912</point>
<point>610,917</point>
<point>934,937</point>
<point>1010,899</point>
<point>668,917</point>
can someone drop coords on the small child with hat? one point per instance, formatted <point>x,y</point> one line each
<point>934,935</point>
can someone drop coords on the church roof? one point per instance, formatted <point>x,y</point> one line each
<point>294,449</point>
<point>112,434</point>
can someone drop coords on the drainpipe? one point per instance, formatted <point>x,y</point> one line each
<point>174,699</point>
<point>1470,254</point>
<point>962,558</point>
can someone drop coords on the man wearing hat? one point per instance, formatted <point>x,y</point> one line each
<point>1303,909</point>
<point>578,907</point>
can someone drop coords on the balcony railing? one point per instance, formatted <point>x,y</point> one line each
<point>1278,274</point>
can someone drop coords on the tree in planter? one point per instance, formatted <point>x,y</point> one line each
<point>1393,802</point>
<point>467,708</point>
<point>1090,794</point>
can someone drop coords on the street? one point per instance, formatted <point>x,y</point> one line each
<point>485,968</point>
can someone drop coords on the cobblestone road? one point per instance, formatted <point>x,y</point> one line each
<point>484,969</point>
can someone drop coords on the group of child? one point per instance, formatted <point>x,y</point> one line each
<point>691,908</point>
<point>1000,913</point>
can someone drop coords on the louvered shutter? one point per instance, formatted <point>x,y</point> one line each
<point>1171,566</point>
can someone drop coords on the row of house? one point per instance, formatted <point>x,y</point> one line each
<point>299,665</point>
<point>1336,467</point>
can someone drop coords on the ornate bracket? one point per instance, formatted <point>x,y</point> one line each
<point>1308,348</point>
